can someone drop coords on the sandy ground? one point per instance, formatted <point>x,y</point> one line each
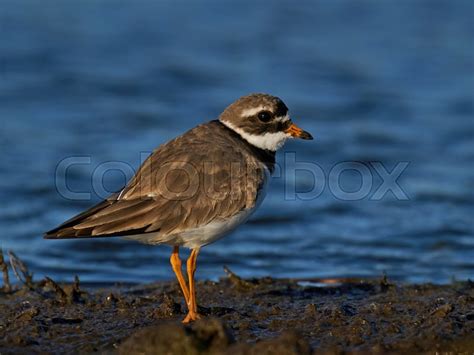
<point>264,316</point>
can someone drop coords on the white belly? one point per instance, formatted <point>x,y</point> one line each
<point>197,237</point>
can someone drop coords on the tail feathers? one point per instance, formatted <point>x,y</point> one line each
<point>109,218</point>
<point>67,230</point>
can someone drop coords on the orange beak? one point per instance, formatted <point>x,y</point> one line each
<point>297,132</point>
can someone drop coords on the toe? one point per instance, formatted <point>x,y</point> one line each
<point>191,317</point>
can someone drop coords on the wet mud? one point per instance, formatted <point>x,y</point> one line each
<point>264,316</point>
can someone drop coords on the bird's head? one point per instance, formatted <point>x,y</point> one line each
<point>262,120</point>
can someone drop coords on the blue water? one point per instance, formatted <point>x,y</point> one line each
<point>373,81</point>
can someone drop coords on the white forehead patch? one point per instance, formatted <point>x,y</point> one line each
<point>282,118</point>
<point>268,141</point>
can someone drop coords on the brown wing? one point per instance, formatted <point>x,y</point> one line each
<point>203,175</point>
<point>106,213</point>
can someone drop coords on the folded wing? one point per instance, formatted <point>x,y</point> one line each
<point>190,181</point>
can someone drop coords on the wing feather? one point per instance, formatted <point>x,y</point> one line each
<point>206,174</point>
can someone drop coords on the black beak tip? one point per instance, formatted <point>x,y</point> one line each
<point>305,135</point>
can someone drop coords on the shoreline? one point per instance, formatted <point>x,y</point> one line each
<point>240,316</point>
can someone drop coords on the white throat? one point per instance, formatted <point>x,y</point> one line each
<point>268,141</point>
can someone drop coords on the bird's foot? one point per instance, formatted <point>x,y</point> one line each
<point>191,317</point>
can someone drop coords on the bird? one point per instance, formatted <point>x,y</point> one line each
<point>196,188</point>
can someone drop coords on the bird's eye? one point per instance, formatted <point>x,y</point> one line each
<point>265,116</point>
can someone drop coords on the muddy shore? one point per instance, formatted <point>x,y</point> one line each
<point>270,316</point>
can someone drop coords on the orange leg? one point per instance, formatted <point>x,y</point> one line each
<point>176,265</point>
<point>192,304</point>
